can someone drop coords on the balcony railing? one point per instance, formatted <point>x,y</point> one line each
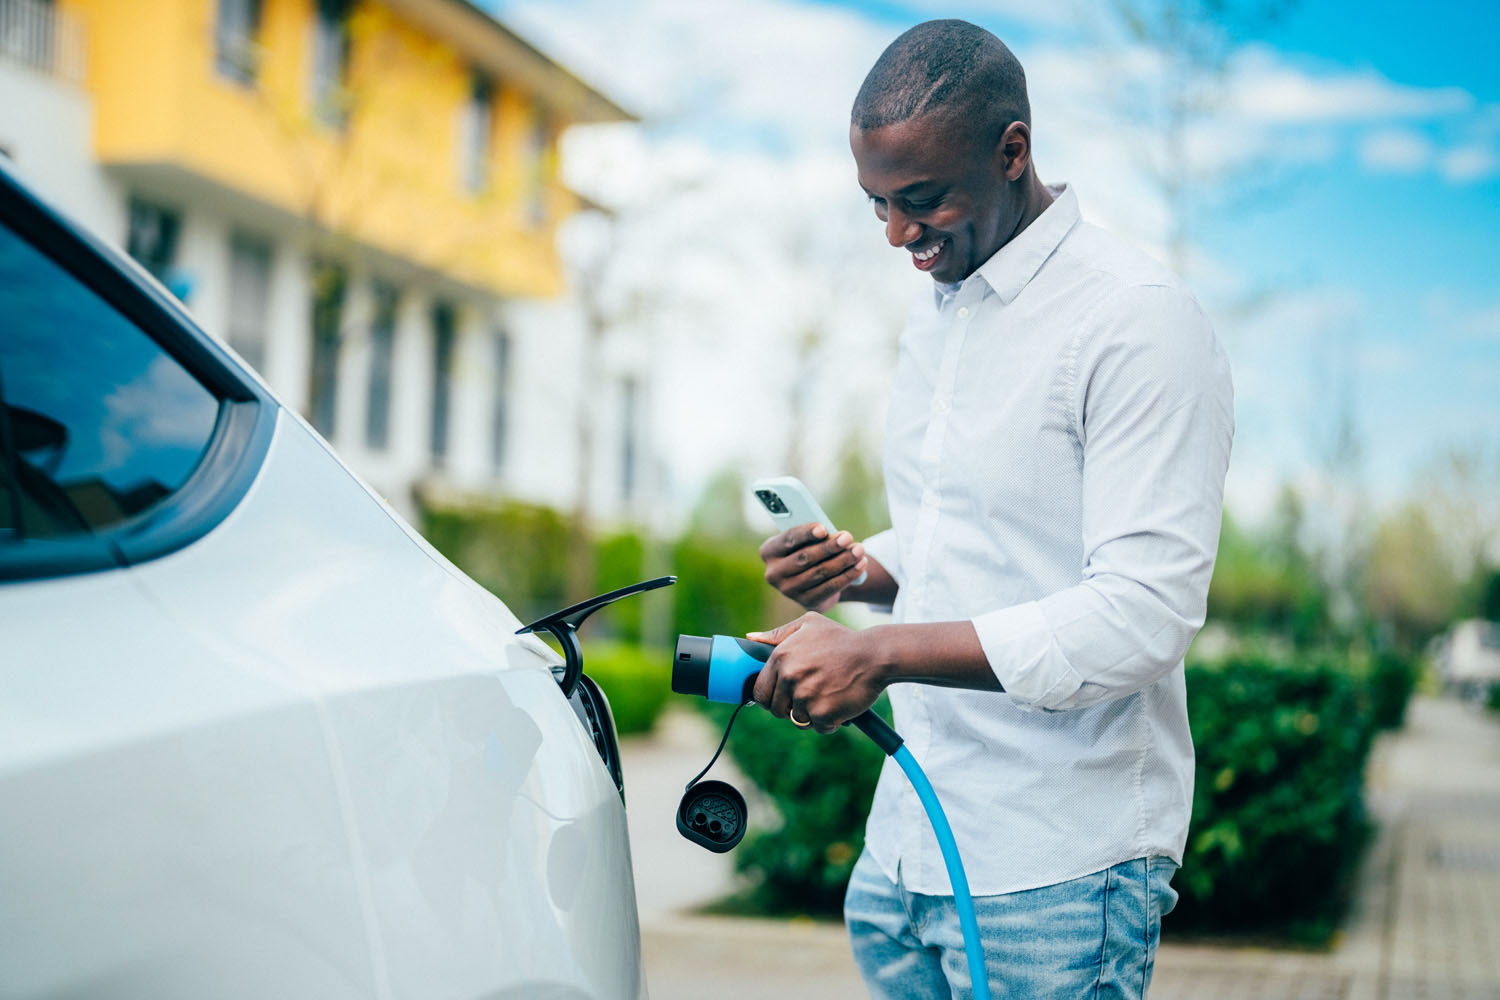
<point>37,35</point>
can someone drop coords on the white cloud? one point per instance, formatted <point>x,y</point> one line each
<point>1401,151</point>
<point>1469,163</point>
<point>1483,323</point>
<point>1268,89</point>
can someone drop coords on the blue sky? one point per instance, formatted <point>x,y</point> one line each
<point>1364,220</point>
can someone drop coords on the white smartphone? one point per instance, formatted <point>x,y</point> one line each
<point>790,503</point>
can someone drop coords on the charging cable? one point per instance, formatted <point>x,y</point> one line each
<point>723,668</point>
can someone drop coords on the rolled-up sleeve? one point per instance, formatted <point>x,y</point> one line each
<point>1153,412</point>
<point>883,548</point>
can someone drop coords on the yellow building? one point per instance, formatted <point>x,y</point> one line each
<point>359,196</point>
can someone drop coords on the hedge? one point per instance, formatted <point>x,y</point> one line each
<point>1278,806</point>
<point>636,681</point>
<point>1278,815</point>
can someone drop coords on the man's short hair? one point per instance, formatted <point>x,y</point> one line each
<point>949,66</point>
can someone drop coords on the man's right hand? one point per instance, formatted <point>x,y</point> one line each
<point>811,568</point>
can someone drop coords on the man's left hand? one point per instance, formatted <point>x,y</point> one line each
<point>824,671</point>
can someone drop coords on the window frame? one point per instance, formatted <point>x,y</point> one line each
<point>235,449</point>
<point>237,51</point>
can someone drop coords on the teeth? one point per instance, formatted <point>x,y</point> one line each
<point>928,254</point>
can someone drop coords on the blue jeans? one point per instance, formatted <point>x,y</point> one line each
<point>1091,937</point>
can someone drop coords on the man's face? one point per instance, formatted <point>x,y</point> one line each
<point>943,195</point>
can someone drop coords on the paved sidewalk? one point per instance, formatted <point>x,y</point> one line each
<point>1425,924</point>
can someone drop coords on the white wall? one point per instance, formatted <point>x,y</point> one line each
<point>47,126</point>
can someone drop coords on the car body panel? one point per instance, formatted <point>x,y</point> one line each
<point>295,753</point>
<point>465,769</point>
<point>174,826</point>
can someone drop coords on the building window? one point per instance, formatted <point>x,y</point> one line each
<point>630,429</point>
<point>151,236</point>
<point>382,354</point>
<point>478,116</point>
<point>537,166</point>
<point>236,54</point>
<point>443,336</point>
<point>330,281</point>
<point>249,297</point>
<point>500,411</point>
<point>330,96</point>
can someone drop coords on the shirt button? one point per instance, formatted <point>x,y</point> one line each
<point>929,497</point>
<point>963,313</point>
<point>941,406</point>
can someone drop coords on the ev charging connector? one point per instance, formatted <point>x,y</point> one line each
<point>713,814</point>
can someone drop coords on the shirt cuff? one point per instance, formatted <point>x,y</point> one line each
<point>883,548</point>
<point>1018,643</point>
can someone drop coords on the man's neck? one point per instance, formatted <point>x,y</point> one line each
<point>1036,201</point>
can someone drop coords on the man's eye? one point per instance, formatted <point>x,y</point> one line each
<point>925,206</point>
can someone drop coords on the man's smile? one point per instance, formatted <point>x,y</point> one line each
<point>925,259</point>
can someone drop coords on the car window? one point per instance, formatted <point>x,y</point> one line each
<point>97,423</point>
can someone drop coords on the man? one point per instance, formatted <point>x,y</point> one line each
<point>1056,443</point>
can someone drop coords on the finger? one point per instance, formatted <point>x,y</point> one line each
<point>777,634</point>
<point>821,560</point>
<point>765,685</point>
<point>792,539</point>
<point>783,699</point>
<point>831,548</point>
<point>822,582</point>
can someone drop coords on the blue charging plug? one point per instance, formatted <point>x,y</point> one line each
<point>723,668</point>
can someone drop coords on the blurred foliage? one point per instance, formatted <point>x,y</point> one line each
<point>1278,812</point>
<point>635,680</point>
<point>1410,582</point>
<point>821,787</point>
<point>857,502</point>
<point>1479,597</point>
<point>719,590</point>
<point>1269,583</point>
<point>1390,678</point>
<point>517,551</point>
<point>619,561</point>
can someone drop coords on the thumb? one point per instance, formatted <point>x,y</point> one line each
<point>776,635</point>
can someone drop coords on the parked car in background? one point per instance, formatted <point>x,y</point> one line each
<point>257,737</point>
<point>1468,658</point>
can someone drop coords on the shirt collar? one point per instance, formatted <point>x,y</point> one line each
<point>1016,263</point>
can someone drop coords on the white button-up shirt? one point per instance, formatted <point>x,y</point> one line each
<point>1057,439</point>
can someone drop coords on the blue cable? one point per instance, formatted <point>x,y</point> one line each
<point>961,898</point>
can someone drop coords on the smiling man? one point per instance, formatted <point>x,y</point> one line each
<point>1056,444</point>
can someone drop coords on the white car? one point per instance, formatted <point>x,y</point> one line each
<point>258,738</point>
<point>1469,658</point>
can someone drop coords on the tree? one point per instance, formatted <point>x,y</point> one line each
<point>1411,586</point>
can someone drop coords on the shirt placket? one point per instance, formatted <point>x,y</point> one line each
<point>954,316</point>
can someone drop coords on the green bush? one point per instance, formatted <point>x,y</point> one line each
<point>517,551</point>
<point>1278,809</point>
<point>636,681</point>
<point>821,787</point>
<point>1390,679</point>
<point>721,587</point>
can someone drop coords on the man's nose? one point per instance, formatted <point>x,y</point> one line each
<point>900,229</point>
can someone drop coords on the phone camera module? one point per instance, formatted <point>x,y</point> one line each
<point>772,501</point>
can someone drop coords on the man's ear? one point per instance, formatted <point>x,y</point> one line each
<point>1013,152</point>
